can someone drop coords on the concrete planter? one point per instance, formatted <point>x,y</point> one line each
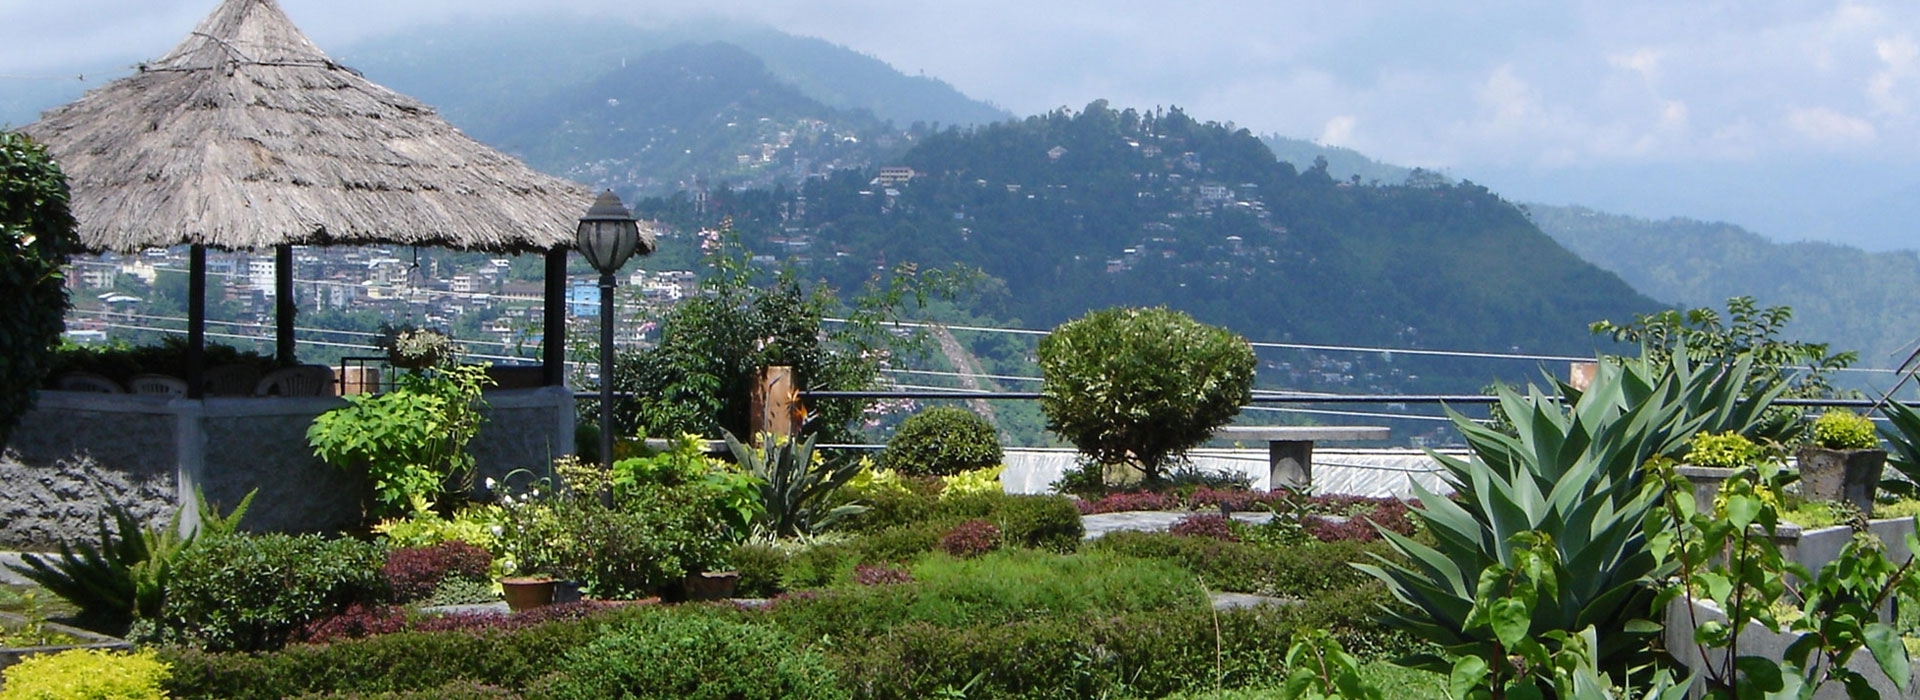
<point>83,640</point>
<point>1841,475</point>
<point>1706,482</point>
<point>1757,640</point>
<point>75,451</point>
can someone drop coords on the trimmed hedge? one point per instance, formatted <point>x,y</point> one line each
<point>1297,571</point>
<point>692,657</point>
<point>251,592</point>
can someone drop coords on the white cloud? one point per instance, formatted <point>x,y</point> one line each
<point>1339,131</point>
<point>1899,54</point>
<point>1828,127</point>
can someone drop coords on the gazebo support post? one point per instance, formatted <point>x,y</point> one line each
<point>197,321</point>
<point>283,307</point>
<point>553,355</point>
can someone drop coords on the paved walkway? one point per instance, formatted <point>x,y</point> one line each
<point>1151,520</point>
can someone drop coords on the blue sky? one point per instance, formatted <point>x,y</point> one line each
<point>1796,119</point>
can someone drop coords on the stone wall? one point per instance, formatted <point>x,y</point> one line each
<point>75,452</point>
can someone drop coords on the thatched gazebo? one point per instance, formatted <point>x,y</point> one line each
<point>247,136</point>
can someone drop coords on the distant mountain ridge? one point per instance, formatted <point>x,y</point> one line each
<point>1844,296</point>
<point>1076,211</point>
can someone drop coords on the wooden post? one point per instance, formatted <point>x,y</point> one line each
<point>776,404</point>
<point>196,321</point>
<point>1580,374</point>
<point>553,334</point>
<point>283,306</point>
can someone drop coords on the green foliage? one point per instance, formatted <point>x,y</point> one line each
<point>695,657</point>
<point>653,537</point>
<point>1728,450</point>
<point>1801,369</point>
<point>1569,479</point>
<point>411,441</point>
<point>1841,429</point>
<point>1727,556</point>
<point>996,588</point>
<point>36,237</point>
<point>1050,523</point>
<point>1301,571</point>
<point>971,482</point>
<point>1142,386</point>
<point>127,574</point>
<point>1318,668</point>
<point>941,441</point>
<point>795,491</point>
<point>250,592</point>
<point>1902,433</point>
<point>85,674</point>
<point>699,377</point>
<point>731,492</point>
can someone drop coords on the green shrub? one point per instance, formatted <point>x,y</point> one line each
<point>250,592</point>
<point>1841,429</point>
<point>399,662</point>
<point>941,441</point>
<point>1299,571</point>
<point>85,674</point>
<point>412,441</point>
<point>1142,386</point>
<point>1727,450</point>
<point>1140,654</point>
<point>36,237</point>
<point>915,500</point>
<point>996,588</point>
<point>459,690</point>
<point>759,565</point>
<point>1051,523</point>
<point>654,538</point>
<point>695,657</point>
<point>831,564</point>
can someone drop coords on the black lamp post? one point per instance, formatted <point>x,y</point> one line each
<point>607,236</point>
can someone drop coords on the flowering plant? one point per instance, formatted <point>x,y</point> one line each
<point>528,539</point>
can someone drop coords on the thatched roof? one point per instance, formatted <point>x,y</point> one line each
<point>246,135</point>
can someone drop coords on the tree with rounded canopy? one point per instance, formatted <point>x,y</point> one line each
<point>36,237</point>
<point>1140,387</point>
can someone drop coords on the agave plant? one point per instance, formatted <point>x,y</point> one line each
<point>793,490</point>
<point>1571,471</point>
<point>124,577</point>
<point>1902,432</point>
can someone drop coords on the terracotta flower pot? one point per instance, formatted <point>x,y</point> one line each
<point>527,592</point>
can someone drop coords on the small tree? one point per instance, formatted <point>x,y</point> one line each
<point>36,236</point>
<point>1142,386</point>
<point>942,441</point>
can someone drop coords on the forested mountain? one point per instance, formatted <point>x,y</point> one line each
<point>1077,211</point>
<point>661,109</point>
<point>1844,296</point>
<point>707,112</point>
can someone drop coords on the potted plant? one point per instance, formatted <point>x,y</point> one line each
<point>415,349</point>
<point>1843,460</point>
<point>529,538</point>
<point>1712,459</point>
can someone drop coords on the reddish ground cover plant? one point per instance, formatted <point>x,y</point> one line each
<point>880,575</point>
<point>971,538</point>
<point>412,573</point>
<point>1209,525</point>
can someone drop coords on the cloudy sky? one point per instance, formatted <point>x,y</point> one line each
<point>1775,114</point>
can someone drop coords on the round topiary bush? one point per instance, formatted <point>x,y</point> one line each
<point>694,657</point>
<point>36,236</point>
<point>1142,386</point>
<point>941,441</point>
